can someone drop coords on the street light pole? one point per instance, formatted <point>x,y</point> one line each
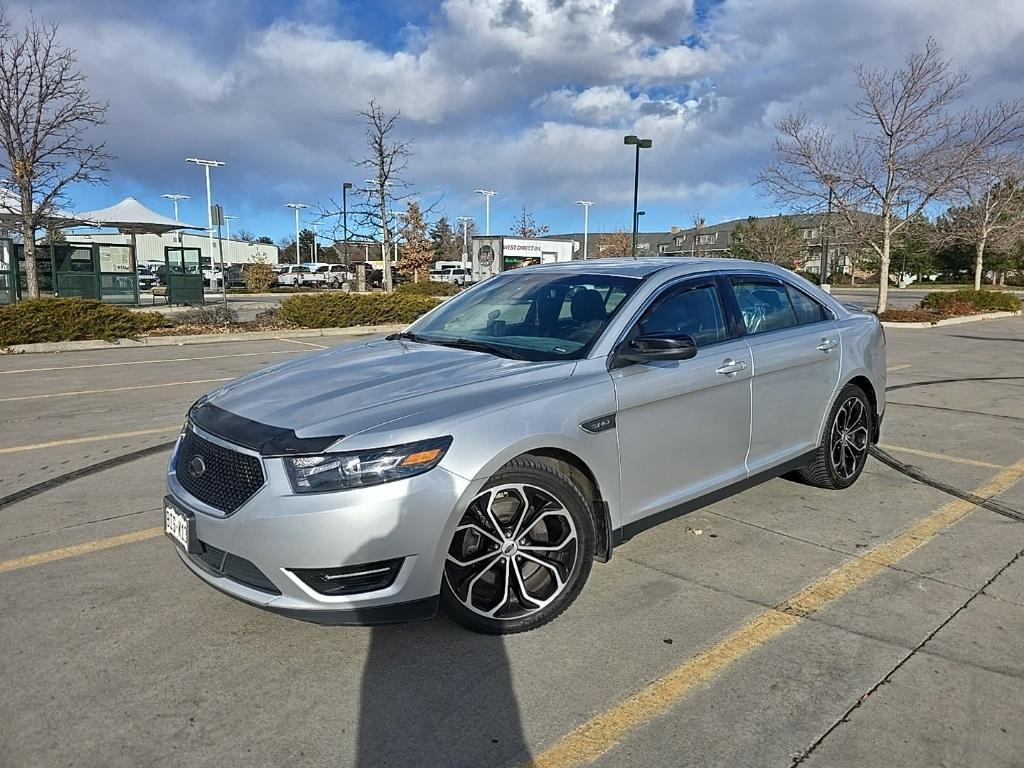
<point>823,265</point>
<point>488,194</point>
<point>464,220</point>
<point>227,223</point>
<point>586,223</point>
<point>175,199</point>
<point>207,164</point>
<point>345,187</point>
<point>296,207</point>
<point>640,144</point>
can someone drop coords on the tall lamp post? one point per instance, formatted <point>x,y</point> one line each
<point>207,164</point>
<point>488,194</point>
<point>296,207</point>
<point>831,181</point>
<point>227,224</point>
<point>636,226</point>
<point>586,224</point>
<point>639,143</point>
<point>175,199</point>
<point>464,221</point>
<point>345,187</point>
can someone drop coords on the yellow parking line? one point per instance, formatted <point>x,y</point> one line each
<point>150,362</point>
<point>304,343</point>
<point>114,389</point>
<point>91,439</point>
<point>902,367</point>
<point>79,549</point>
<point>603,732</point>
<point>942,456</point>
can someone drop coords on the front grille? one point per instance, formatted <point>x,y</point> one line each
<point>229,478</point>
<point>234,567</point>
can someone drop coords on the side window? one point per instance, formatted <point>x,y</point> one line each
<point>696,311</point>
<point>764,304</point>
<point>807,309</point>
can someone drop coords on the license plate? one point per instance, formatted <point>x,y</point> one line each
<point>181,527</point>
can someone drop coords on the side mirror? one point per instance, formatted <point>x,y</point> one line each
<point>651,347</point>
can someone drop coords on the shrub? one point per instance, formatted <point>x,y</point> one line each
<point>969,302</point>
<point>258,276</point>
<point>341,310</point>
<point>427,288</point>
<point>56,319</point>
<point>210,314</point>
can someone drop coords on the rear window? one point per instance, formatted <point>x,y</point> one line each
<point>807,309</point>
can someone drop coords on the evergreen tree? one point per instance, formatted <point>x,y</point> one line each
<point>445,245</point>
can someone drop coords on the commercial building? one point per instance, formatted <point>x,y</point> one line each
<point>151,248</point>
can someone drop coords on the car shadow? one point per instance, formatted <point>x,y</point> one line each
<point>436,694</point>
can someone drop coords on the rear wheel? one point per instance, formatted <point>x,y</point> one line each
<point>843,451</point>
<point>521,552</point>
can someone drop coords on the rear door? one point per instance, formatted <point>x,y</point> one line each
<point>796,352</point>
<point>683,426</point>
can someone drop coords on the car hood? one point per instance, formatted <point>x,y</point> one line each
<point>353,388</point>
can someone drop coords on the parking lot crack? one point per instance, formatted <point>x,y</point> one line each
<point>887,678</point>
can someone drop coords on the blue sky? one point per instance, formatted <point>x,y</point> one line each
<point>527,97</point>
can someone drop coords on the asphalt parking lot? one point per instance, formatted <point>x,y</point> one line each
<point>879,626</point>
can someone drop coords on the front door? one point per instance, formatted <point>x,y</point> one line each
<point>796,349</point>
<point>683,426</point>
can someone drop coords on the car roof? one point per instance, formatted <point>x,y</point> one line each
<point>648,265</point>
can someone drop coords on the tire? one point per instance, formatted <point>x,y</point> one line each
<point>840,457</point>
<point>490,546</point>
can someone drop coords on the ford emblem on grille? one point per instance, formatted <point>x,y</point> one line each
<point>197,466</point>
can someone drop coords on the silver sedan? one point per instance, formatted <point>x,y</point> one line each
<point>484,458</point>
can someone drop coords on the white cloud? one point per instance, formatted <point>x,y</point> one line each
<point>529,96</point>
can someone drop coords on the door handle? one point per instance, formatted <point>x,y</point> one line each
<point>827,345</point>
<point>730,367</point>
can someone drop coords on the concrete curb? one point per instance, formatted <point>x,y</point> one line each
<point>953,320</point>
<point>206,338</point>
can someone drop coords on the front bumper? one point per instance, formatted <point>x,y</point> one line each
<point>279,532</point>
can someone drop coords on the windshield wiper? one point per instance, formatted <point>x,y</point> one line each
<point>482,346</point>
<point>470,344</point>
<point>408,336</point>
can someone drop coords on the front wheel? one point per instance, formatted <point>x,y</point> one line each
<point>521,552</point>
<point>843,451</point>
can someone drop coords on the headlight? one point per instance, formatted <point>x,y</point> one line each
<point>357,469</point>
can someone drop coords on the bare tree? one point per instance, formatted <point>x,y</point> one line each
<point>46,119</point>
<point>775,239</point>
<point>698,229</point>
<point>524,225</point>
<point>387,161</point>
<point>990,212</point>
<point>913,146</point>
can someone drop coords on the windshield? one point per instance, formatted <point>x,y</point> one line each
<point>529,315</point>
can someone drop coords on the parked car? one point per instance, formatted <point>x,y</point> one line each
<point>147,280</point>
<point>485,457</point>
<point>292,274</point>
<point>335,274</point>
<point>458,276</point>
